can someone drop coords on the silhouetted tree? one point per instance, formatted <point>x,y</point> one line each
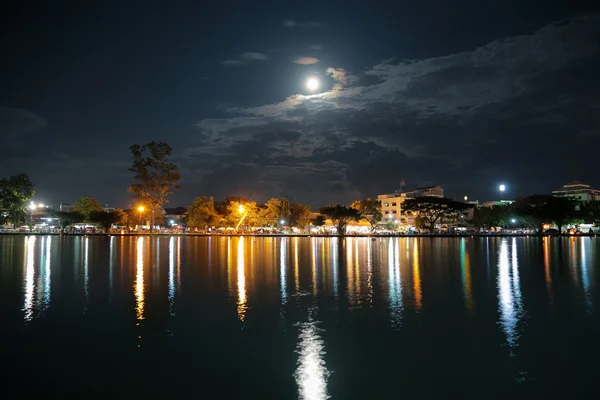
<point>340,216</point>
<point>369,208</point>
<point>433,210</point>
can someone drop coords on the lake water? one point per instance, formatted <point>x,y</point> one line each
<point>307,318</point>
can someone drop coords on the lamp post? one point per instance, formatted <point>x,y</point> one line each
<point>242,211</point>
<point>140,211</point>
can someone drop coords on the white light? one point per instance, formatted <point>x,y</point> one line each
<point>513,220</point>
<point>41,205</point>
<point>312,84</point>
<point>502,188</point>
<point>282,221</point>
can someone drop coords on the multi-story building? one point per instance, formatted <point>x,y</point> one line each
<point>391,203</point>
<point>578,191</point>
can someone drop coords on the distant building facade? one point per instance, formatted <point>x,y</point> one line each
<point>391,203</point>
<point>578,191</point>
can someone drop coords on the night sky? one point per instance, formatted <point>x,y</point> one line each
<point>464,94</point>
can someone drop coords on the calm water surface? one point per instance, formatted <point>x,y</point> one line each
<point>307,318</point>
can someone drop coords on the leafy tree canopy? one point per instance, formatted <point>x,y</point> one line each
<point>433,210</point>
<point>340,216</point>
<point>370,210</point>
<point>202,213</point>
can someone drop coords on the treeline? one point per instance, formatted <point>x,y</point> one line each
<point>535,211</point>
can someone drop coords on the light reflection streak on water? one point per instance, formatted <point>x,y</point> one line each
<point>86,275</point>
<point>335,250</point>
<point>29,283</point>
<point>548,276</point>
<point>111,267</point>
<point>139,280</point>
<point>357,288</point>
<point>172,276</point>
<point>350,272</point>
<point>296,266</point>
<point>315,257</point>
<point>311,374</point>
<point>282,269</point>
<point>178,274</point>
<point>508,293</point>
<point>394,283</point>
<point>241,280</point>
<point>515,274</point>
<point>585,275</point>
<point>370,270</point>
<point>47,274</point>
<point>465,264</point>
<point>417,277</point>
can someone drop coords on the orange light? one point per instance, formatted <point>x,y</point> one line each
<point>141,208</point>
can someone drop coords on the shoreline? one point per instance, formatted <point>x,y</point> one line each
<point>486,235</point>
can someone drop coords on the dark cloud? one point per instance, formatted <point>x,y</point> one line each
<point>523,107</point>
<point>245,58</point>
<point>15,124</point>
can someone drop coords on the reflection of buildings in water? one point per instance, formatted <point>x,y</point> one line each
<point>111,273</point>
<point>585,278</point>
<point>241,280</point>
<point>311,373</point>
<point>315,259</point>
<point>172,275</point>
<point>509,293</point>
<point>139,280</point>
<point>547,274</point>
<point>417,276</point>
<point>230,264</point>
<point>296,266</point>
<point>283,269</point>
<point>335,265</point>
<point>370,270</point>
<point>86,275</point>
<point>574,269</point>
<point>465,266</point>
<point>29,283</point>
<point>47,283</point>
<point>394,283</point>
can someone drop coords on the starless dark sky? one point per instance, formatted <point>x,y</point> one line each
<point>465,94</point>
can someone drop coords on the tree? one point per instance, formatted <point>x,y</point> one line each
<point>340,216</point>
<point>274,211</point>
<point>299,215</point>
<point>85,206</point>
<point>589,212</point>
<point>202,212</point>
<point>106,219</point>
<point>538,209</point>
<point>319,220</point>
<point>369,207</point>
<point>491,217</point>
<point>67,218</point>
<point>15,192</point>
<point>433,210</point>
<point>237,211</point>
<point>156,178</point>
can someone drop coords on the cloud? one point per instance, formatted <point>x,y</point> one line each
<point>245,58</point>
<point>524,108</point>
<point>288,23</point>
<point>305,60</point>
<point>316,47</point>
<point>17,123</point>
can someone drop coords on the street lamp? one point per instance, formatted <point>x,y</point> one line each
<point>141,209</point>
<point>513,220</point>
<point>241,209</point>
<point>282,221</point>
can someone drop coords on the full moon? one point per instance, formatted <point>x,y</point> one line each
<point>312,84</point>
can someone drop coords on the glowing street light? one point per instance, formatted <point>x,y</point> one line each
<point>141,209</point>
<point>241,209</point>
<point>282,221</point>
<point>513,220</point>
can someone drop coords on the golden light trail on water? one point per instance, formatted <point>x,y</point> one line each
<point>139,280</point>
<point>241,280</point>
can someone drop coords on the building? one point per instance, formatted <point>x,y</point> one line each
<point>578,191</point>
<point>391,204</point>
<point>174,216</point>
